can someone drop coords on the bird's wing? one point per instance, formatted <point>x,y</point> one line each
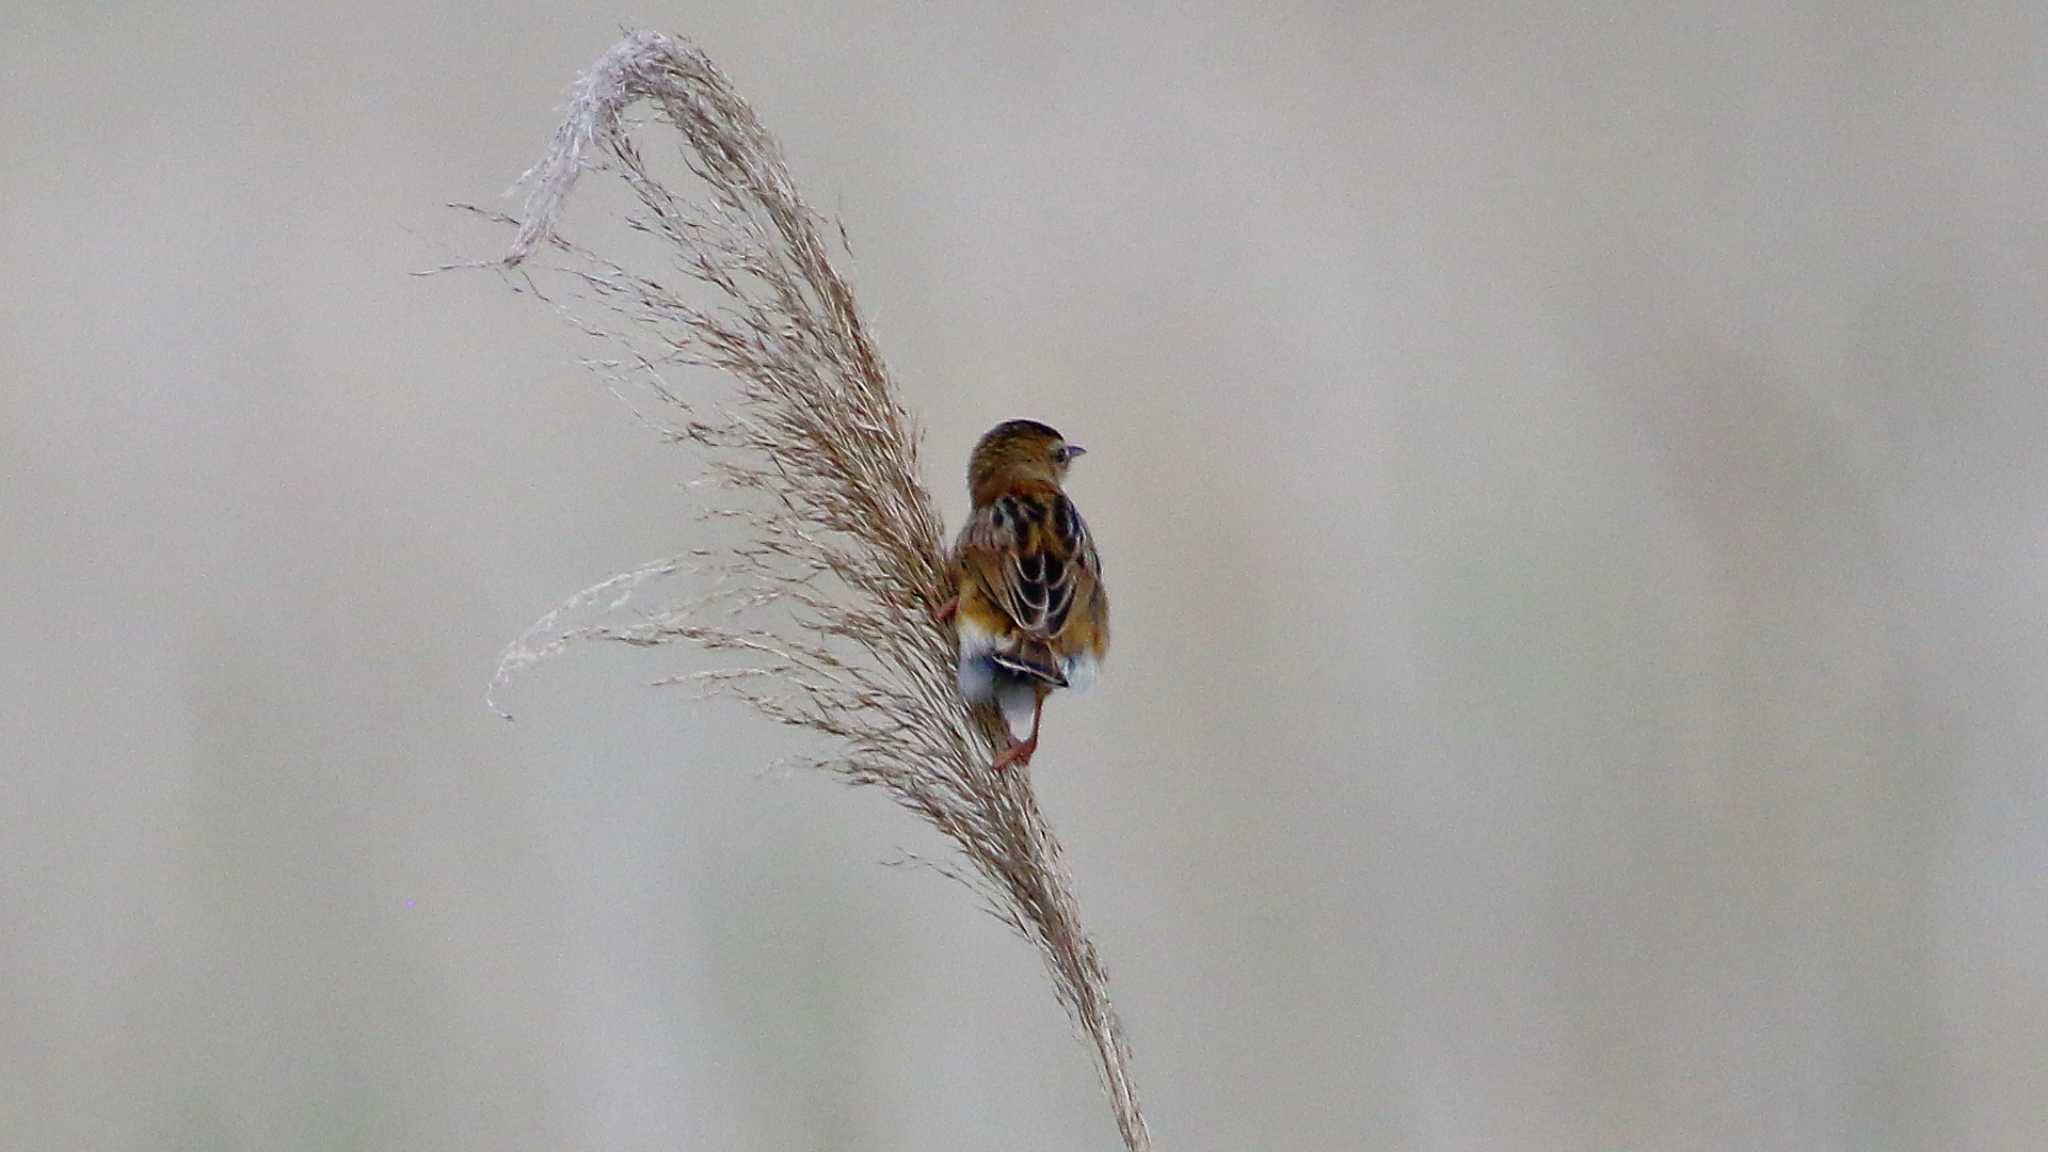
<point>1032,557</point>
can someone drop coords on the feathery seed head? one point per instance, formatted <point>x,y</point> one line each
<point>827,601</point>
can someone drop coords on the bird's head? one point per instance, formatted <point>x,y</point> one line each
<point>1018,451</point>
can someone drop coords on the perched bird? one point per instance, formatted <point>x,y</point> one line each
<point>1028,597</point>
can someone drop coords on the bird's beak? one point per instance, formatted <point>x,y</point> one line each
<point>1075,451</point>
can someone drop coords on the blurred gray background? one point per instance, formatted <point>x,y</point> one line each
<point>1571,478</point>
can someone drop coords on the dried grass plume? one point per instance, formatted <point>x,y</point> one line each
<point>826,603</point>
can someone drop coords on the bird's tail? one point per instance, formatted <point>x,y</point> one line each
<point>1034,660</point>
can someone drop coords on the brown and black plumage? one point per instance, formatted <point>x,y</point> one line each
<point>1032,613</point>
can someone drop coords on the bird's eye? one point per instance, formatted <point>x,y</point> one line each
<point>1061,453</point>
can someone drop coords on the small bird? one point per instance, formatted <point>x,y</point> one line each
<point>1032,613</point>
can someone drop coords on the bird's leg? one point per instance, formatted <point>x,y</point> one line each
<point>1019,752</point>
<point>945,612</point>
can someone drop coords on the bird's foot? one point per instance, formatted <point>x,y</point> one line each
<point>946,611</point>
<point>1018,753</point>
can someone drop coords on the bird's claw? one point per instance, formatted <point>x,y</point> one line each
<point>1019,753</point>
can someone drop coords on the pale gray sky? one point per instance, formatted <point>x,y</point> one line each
<point>1571,479</point>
